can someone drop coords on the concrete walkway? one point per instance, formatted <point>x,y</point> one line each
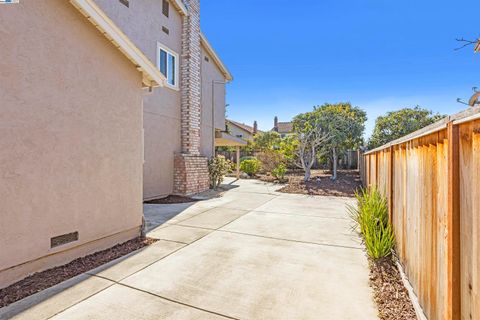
<point>251,254</point>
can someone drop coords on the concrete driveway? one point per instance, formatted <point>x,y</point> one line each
<point>251,254</point>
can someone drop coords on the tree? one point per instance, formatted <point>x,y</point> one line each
<point>269,140</point>
<point>397,124</point>
<point>344,125</point>
<point>309,139</point>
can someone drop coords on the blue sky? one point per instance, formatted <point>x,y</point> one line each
<point>287,56</point>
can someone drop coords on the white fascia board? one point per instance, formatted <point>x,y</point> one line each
<point>152,77</point>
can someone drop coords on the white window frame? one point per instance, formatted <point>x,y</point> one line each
<point>177,63</point>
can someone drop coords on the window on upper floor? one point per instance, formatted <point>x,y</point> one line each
<point>166,8</point>
<point>167,63</point>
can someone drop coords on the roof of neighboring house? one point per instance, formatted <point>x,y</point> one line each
<point>242,126</point>
<point>216,58</point>
<point>285,127</point>
<point>152,77</point>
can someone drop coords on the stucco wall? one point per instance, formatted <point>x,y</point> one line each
<point>236,131</point>
<point>70,137</point>
<point>210,73</point>
<point>142,22</point>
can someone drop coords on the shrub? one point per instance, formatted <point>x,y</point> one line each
<point>270,159</point>
<point>279,171</point>
<point>371,216</point>
<point>247,158</point>
<point>218,167</point>
<point>250,166</point>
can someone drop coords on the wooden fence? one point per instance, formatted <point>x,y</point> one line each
<point>431,179</point>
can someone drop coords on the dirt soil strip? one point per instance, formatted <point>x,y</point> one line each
<point>348,181</point>
<point>390,294</point>
<point>172,200</point>
<point>46,279</point>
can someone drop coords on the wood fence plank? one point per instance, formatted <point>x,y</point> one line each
<point>453,225</point>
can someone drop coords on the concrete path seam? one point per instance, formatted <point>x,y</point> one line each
<point>291,240</point>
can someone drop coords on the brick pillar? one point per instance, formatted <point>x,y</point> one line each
<point>191,168</point>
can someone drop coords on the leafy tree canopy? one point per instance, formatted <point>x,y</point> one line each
<point>397,124</point>
<point>269,140</point>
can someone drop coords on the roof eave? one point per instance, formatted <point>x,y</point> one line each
<point>152,77</point>
<point>477,46</point>
<point>178,4</point>
<point>228,76</point>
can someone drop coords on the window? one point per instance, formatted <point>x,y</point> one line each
<point>166,8</point>
<point>168,65</point>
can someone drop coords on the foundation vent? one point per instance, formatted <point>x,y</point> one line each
<point>63,239</point>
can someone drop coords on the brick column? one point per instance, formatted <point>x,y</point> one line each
<point>191,168</point>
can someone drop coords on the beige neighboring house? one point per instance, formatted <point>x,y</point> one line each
<point>182,119</point>
<point>71,122</point>
<point>241,130</point>
<point>283,128</point>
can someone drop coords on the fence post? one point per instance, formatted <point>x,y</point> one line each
<point>453,224</point>
<point>391,191</point>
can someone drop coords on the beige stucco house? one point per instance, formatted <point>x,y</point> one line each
<point>241,130</point>
<point>181,119</point>
<point>71,121</point>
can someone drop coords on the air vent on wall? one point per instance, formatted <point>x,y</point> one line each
<point>63,239</point>
<point>206,59</point>
<point>125,2</point>
<point>166,8</point>
<point>165,29</point>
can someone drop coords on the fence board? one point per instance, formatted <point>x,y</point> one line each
<point>435,211</point>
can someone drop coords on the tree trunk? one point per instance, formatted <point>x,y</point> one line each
<point>335,160</point>
<point>307,174</point>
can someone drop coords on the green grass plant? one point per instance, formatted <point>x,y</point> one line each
<point>370,215</point>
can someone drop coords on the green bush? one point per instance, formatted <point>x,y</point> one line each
<point>371,217</point>
<point>250,166</point>
<point>247,158</point>
<point>279,171</point>
<point>218,167</point>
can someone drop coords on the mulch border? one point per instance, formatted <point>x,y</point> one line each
<point>390,294</point>
<point>51,277</point>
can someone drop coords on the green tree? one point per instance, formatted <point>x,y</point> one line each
<point>310,138</point>
<point>269,140</point>
<point>396,124</point>
<point>344,125</point>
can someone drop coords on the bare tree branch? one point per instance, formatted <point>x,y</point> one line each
<point>467,43</point>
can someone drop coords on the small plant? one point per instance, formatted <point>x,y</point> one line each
<point>270,160</point>
<point>250,166</point>
<point>218,167</point>
<point>371,216</point>
<point>279,171</point>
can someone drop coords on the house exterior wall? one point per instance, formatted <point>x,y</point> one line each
<point>211,73</point>
<point>239,133</point>
<point>142,22</point>
<point>71,138</point>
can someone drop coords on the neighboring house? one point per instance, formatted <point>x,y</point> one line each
<point>241,130</point>
<point>70,134</point>
<point>181,120</point>
<point>283,128</point>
